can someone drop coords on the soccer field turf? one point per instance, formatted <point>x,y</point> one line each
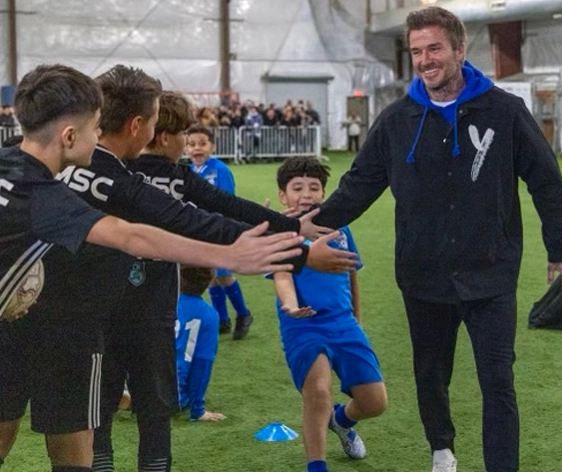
<point>252,385</point>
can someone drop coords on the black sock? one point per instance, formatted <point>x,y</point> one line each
<point>103,461</point>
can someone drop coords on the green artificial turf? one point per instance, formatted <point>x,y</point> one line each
<point>252,385</point>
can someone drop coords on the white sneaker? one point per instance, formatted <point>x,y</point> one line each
<point>352,444</point>
<point>444,461</point>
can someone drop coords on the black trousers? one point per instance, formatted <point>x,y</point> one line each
<point>491,325</point>
<point>353,143</point>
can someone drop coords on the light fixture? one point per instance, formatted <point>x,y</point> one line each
<point>497,5</point>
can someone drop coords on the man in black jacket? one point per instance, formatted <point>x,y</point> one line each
<point>452,151</point>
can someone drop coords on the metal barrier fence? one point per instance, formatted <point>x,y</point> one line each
<point>267,142</point>
<point>7,132</point>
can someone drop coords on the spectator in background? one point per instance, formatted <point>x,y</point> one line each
<point>254,121</point>
<point>314,116</point>
<point>206,117</point>
<point>353,125</point>
<point>270,118</point>
<point>237,120</point>
<point>7,116</point>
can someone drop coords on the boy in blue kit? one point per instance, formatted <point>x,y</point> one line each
<point>200,146</point>
<point>320,331</point>
<point>196,342</point>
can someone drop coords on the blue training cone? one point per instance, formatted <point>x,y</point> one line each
<point>276,432</point>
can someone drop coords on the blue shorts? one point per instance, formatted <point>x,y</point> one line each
<point>348,350</point>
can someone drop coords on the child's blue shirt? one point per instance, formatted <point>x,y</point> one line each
<point>216,173</point>
<point>328,294</point>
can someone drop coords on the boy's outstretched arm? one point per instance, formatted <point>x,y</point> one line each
<point>285,289</point>
<point>251,253</point>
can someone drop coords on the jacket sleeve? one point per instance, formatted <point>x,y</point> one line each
<point>361,185</point>
<point>536,164</point>
<point>211,198</point>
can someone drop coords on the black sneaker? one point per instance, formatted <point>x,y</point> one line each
<point>225,327</point>
<point>242,326</point>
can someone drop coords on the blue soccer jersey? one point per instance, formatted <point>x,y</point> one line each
<point>197,331</point>
<point>333,331</point>
<point>216,173</point>
<point>328,294</point>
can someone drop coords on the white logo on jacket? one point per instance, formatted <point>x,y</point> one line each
<point>481,146</point>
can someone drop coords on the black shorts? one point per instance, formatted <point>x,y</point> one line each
<point>144,356</point>
<point>57,369</point>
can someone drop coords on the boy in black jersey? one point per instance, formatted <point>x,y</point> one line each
<point>69,316</point>
<point>139,336</point>
<point>59,110</point>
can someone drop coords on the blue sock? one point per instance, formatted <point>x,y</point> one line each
<point>234,294</point>
<point>317,466</point>
<point>342,419</point>
<point>218,299</point>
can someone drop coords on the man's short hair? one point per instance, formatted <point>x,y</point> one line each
<point>176,114</point>
<point>195,280</point>
<point>436,16</point>
<point>127,92</point>
<point>50,92</point>
<point>201,129</point>
<point>302,166</point>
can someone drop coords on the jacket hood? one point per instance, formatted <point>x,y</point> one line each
<point>475,84</point>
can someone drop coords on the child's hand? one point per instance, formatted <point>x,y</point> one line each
<point>298,312</point>
<point>211,416</point>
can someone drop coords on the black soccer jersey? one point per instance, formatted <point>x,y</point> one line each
<point>182,183</point>
<point>151,292</point>
<point>36,212</point>
<point>97,276</point>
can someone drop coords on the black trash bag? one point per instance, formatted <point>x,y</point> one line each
<point>547,312</point>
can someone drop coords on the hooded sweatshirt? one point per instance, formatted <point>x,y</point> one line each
<point>475,84</point>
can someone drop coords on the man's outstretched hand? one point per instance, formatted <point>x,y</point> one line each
<point>309,230</point>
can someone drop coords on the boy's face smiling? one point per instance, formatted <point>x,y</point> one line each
<point>199,148</point>
<point>301,193</point>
